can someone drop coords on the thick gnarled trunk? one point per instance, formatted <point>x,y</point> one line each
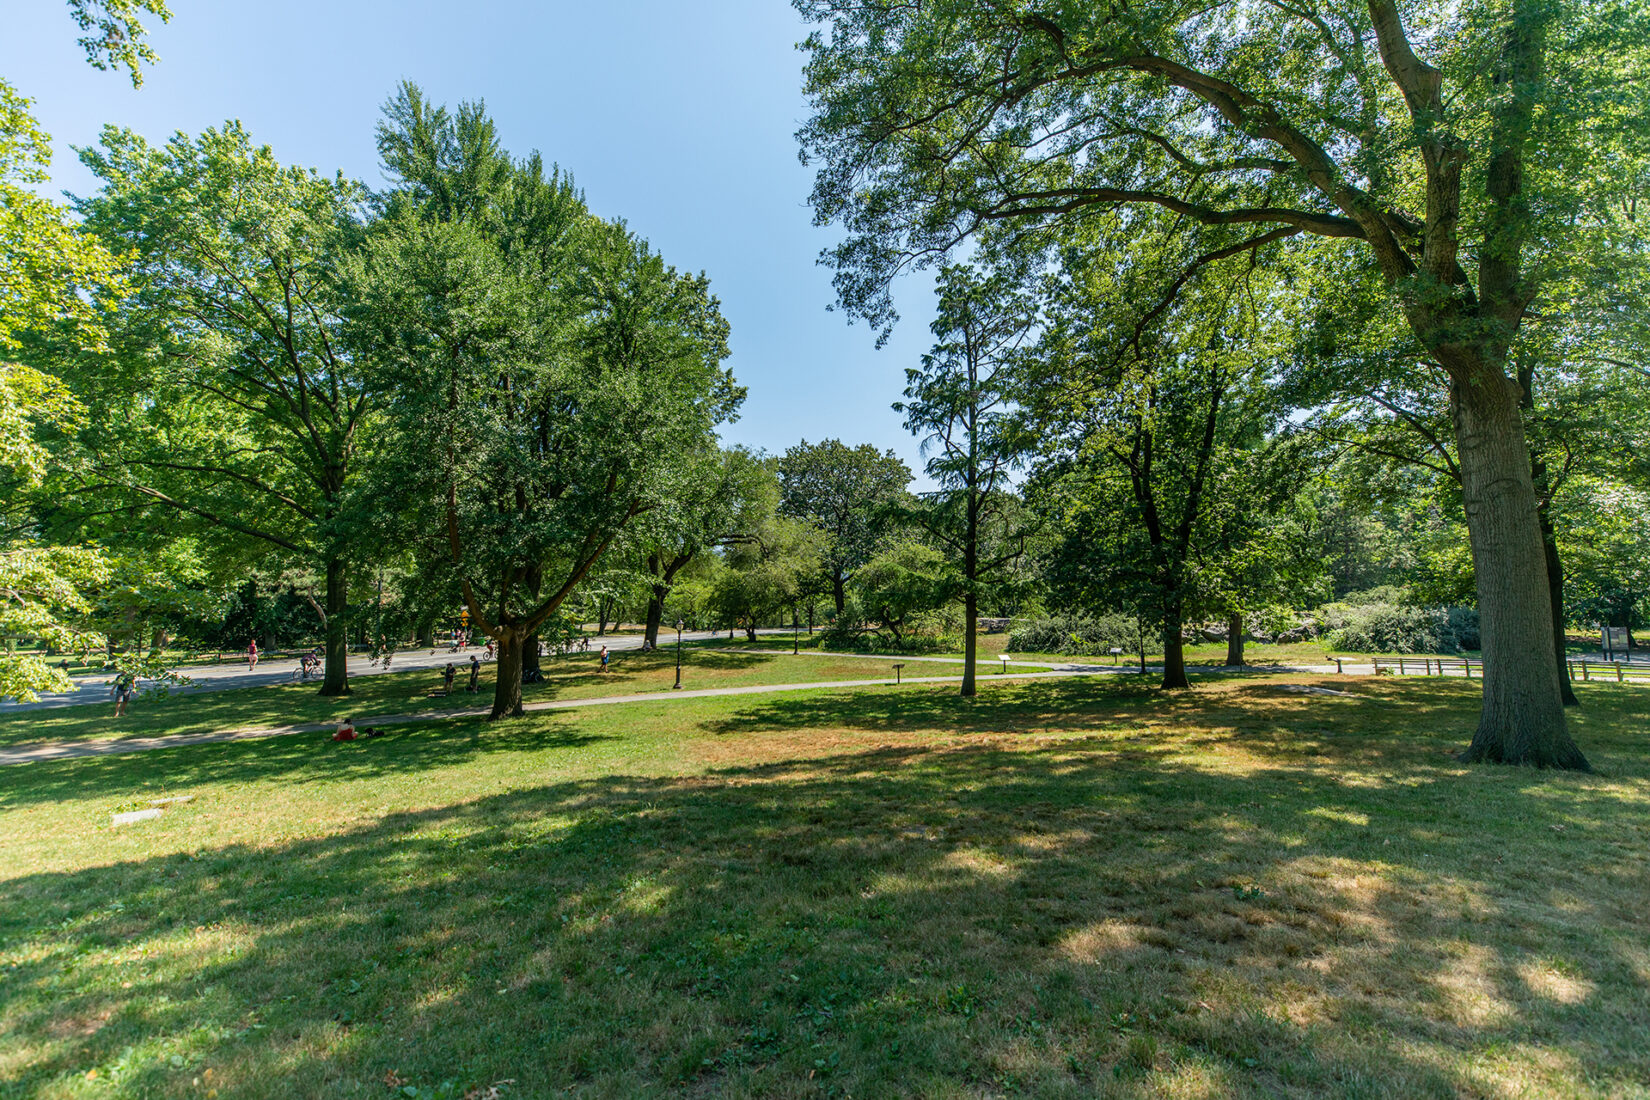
<point>507,683</point>
<point>336,680</point>
<point>1523,716</point>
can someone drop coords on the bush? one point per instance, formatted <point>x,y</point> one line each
<point>1464,622</point>
<point>1074,635</point>
<point>1385,625</point>
<point>848,633</point>
<point>845,631</point>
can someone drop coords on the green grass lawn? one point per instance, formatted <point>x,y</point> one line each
<point>573,677</point>
<point>1059,889</point>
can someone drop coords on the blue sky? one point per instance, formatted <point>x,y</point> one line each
<point>677,117</point>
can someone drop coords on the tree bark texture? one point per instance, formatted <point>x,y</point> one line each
<point>507,685</point>
<point>971,573</point>
<point>1234,638</point>
<point>655,612</point>
<point>1555,593</point>
<point>531,670</point>
<point>1174,651</point>
<point>1523,717</point>
<point>336,678</point>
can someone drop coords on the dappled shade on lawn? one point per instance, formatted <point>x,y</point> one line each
<point>1058,889</point>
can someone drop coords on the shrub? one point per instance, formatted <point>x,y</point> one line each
<point>1464,622</point>
<point>1074,635</point>
<point>1385,625</point>
<point>849,633</point>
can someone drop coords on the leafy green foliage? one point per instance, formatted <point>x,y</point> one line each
<point>46,264</point>
<point>847,492</point>
<point>115,33</point>
<point>767,572</point>
<point>1075,635</point>
<point>545,371</point>
<point>1385,622</point>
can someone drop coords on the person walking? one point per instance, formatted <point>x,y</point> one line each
<point>123,692</point>
<point>252,655</point>
<point>604,658</point>
<point>447,678</point>
<point>475,671</point>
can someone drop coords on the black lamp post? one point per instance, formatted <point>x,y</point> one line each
<point>678,655</point>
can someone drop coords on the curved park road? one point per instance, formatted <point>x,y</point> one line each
<point>23,754</point>
<point>233,674</point>
<point>66,750</point>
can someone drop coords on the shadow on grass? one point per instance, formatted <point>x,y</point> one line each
<point>1086,917</point>
<point>385,693</point>
<point>292,758</point>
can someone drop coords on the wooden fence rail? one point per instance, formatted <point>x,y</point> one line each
<point>1587,671</point>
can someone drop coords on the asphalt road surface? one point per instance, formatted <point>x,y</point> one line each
<point>233,674</point>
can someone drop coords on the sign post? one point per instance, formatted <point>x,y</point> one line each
<point>1615,643</point>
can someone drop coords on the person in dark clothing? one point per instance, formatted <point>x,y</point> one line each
<point>123,692</point>
<point>475,671</point>
<point>447,678</point>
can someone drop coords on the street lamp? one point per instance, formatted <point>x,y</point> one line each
<point>678,655</point>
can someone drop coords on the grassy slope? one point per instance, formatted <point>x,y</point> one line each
<point>1062,889</point>
<point>572,677</point>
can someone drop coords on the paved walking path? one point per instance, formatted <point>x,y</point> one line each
<point>94,688</point>
<point>65,750</point>
<point>68,750</point>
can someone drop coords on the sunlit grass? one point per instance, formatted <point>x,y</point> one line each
<point>576,676</point>
<point>1060,889</point>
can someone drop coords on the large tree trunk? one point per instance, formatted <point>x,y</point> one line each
<point>839,591</point>
<point>1234,638</point>
<point>336,680</point>
<point>1174,651</point>
<point>531,672</point>
<point>1523,716</point>
<point>507,686</point>
<point>655,612</point>
<point>971,574</point>
<point>1555,593</point>
<point>1549,540</point>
